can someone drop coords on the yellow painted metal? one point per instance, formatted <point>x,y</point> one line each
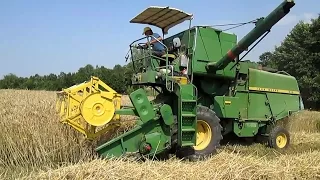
<point>227,102</point>
<point>169,56</point>
<point>88,105</point>
<point>98,109</point>
<point>204,135</point>
<point>281,140</point>
<point>181,80</point>
<point>284,91</point>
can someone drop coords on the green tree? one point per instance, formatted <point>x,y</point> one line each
<point>84,73</point>
<point>11,81</point>
<point>266,60</point>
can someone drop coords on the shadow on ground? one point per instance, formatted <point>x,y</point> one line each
<point>248,146</point>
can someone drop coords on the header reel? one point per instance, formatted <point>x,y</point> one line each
<point>88,105</point>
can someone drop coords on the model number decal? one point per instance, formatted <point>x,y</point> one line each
<point>274,90</point>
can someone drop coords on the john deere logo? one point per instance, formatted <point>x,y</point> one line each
<point>274,90</point>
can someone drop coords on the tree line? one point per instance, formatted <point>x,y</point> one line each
<point>298,55</point>
<point>118,78</point>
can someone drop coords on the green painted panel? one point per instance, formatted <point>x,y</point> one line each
<point>246,129</point>
<point>227,37</point>
<point>127,142</point>
<point>231,105</point>
<point>264,105</point>
<point>227,107</point>
<point>227,42</point>
<point>243,106</point>
<point>257,108</point>
<point>257,79</point>
<point>208,45</point>
<point>156,139</point>
<point>187,91</point>
<point>218,107</point>
<point>211,45</point>
<point>272,94</point>
<point>281,104</point>
<point>167,115</point>
<point>142,105</point>
<point>131,141</point>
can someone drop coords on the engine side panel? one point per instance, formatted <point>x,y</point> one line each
<point>272,95</point>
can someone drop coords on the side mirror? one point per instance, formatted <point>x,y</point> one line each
<point>176,42</point>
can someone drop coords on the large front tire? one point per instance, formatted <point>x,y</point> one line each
<point>208,136</point>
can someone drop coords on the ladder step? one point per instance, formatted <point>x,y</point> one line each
<point>188,115</point>
<point>188,100</point>
<point>188,144</point>
<point>188,130</point>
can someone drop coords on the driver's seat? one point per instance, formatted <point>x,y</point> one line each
<point>171,57</point>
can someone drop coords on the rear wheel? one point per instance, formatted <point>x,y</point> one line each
<point>279,138</point>
<point>208,136</point>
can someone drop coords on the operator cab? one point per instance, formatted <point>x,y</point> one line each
<point>164,18</point>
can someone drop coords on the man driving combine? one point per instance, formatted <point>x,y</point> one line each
<point>158,49</point>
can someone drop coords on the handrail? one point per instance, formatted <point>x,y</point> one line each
<point>137,40</point>
<point>160,43</point>
<point>149,41</point>
<point>168,67</point>
<point>149,49</point>
<point>283,72</point>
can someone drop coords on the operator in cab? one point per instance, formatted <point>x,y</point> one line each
<point>158,49</point>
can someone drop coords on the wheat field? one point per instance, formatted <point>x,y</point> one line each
<point>34,145</point>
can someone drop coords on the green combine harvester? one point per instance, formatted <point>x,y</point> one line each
<point>204,93</point>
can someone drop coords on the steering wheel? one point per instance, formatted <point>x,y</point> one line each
<point>142,46</point>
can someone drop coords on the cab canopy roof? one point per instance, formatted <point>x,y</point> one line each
<point>162,17</point>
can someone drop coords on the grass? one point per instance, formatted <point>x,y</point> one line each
<point>34,145</point>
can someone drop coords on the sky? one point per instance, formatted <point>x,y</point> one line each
<point>43,37</point>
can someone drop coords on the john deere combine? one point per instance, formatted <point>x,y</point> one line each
<point>205,92</point>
